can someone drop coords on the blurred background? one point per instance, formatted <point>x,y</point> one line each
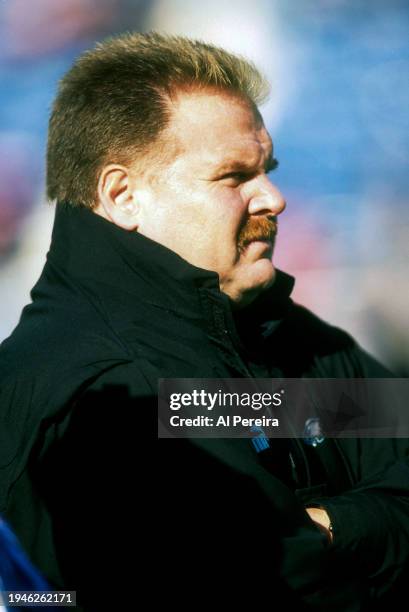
<point>338,115</point>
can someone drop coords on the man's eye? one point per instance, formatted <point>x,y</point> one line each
<point>235,176</point>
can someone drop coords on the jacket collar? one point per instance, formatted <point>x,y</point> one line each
<point>88,247</point>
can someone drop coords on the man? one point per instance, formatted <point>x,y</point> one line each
<point>161,267</point>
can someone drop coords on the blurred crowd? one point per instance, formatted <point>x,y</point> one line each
<point>338,114</point>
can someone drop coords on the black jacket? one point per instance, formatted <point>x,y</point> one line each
<point>112,313</point>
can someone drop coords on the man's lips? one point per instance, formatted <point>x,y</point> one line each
<point>269,240</point>
<point>262,243</point>
<point>262,229</point>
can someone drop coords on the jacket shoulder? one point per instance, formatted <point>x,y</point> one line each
<point>311,346</point>
<point>315,332</point>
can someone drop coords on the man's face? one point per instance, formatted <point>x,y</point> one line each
<point>213,203</point>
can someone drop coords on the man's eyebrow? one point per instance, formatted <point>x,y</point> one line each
<point>236,165</point>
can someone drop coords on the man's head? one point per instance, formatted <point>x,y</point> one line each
<point>162,135</point>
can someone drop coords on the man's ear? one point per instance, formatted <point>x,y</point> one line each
<point>116,200</point>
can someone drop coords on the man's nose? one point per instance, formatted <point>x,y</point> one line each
<point>266,198</point>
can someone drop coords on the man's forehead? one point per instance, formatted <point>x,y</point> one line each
<point>221,127</point>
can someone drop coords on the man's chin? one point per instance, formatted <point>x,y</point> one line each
<point>256,278</point>
<point>263,275</point>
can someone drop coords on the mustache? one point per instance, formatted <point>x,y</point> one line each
<point>257,228</point>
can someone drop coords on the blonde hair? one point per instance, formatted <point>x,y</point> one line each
<point>112,106</point>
